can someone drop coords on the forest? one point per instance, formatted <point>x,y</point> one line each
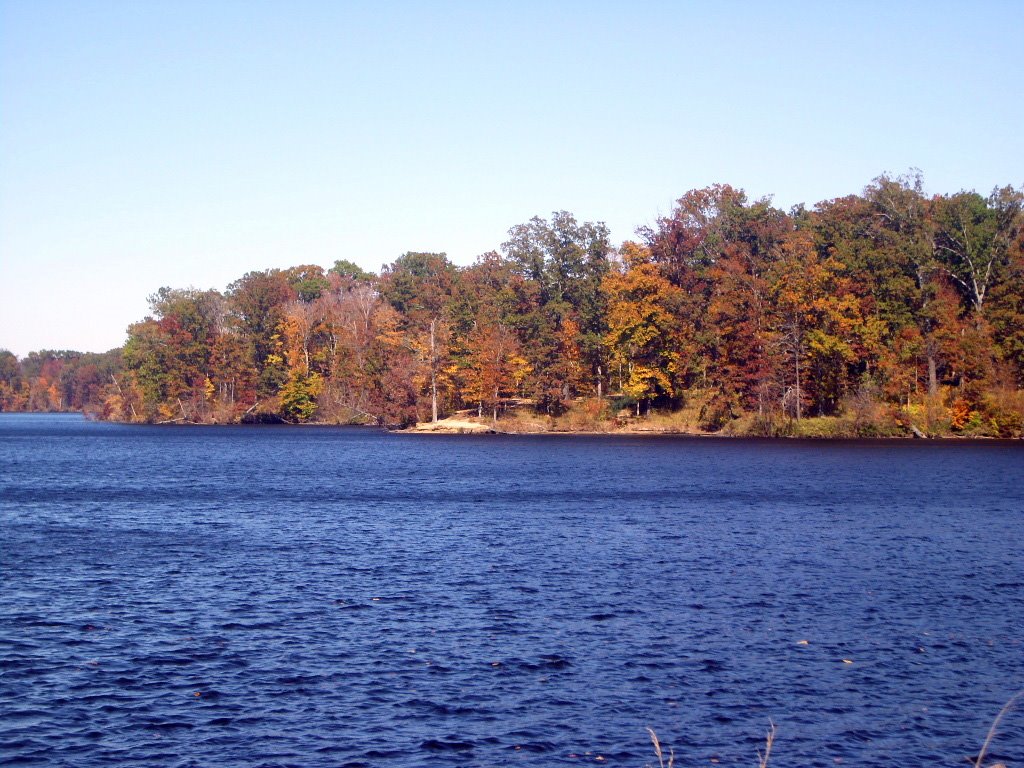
<point>887,313</point>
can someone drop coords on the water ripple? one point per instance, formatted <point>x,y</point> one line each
<point>274,597</point>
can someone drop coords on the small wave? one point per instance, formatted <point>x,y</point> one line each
<point>447,745</point>
<point>538,747</point>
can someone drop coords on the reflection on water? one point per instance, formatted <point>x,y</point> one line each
<point>325,597</point>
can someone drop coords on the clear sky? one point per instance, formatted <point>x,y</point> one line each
<point>186,143</point>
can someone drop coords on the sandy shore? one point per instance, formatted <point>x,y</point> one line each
<point>452,426</point>
<point>461,425</point>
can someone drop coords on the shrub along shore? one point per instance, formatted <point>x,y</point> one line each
<point>589,418</point>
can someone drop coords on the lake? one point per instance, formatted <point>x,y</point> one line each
<point>280,596</point>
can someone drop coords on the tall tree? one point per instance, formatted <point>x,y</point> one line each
<point>420,286</point>
<point>10,382</point>
<point>350,270</point>
<point>816,319</point>
<point>566,263</point>
<point>308,281</point>
<point>644,338</point>
<point>256,305</point>
<point>496,367</point>
<point>715,246</point>
<point>972,238</point>
<point>1006,311</point>
<point>169,353</point>
<point>902,234</point>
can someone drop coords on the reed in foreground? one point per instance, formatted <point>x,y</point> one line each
<point>762,758</point>
<point>992,730</point>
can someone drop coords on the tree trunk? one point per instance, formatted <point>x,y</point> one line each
<point>933,378</point>
<point>123,398</point>
<point>797,357</point>
<point>433,374</point>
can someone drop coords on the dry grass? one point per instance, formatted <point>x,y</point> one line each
<point>863,416</point>
<point>762,759</point>
<point>523,421</point>
<point>659,753</point>
<point>992,730</point>
<point>686,421</point>
<point>769,741</point>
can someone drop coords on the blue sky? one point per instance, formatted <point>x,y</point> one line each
<point>187,143</point>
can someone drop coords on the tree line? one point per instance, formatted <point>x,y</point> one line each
<point>56,380</point>
<point>890,310</point>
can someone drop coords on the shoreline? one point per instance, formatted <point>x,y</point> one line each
<point>647,433</point>
<point>467,426</point>
<point>463,423</point>
<point>461,426</point>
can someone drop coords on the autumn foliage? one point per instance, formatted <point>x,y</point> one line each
<point>887,312</point>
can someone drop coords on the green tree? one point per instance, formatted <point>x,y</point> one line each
<point>256,307</point>
<point>308,281</point>
<point>351,270</point>
<point>561,264</point>
<point>901,232</point>
<point>169,354</point>
<point>10,381</point>
<point>972,237</point>
<point>1006,312</point>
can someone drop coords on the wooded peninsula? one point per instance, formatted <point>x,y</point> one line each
<point>888,313</point>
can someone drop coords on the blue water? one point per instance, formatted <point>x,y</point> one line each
<point>274,596</point>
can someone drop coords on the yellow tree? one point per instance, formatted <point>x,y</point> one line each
<point>298,327</point>
<point>496,366</point>
<point>818,317</point>
<point>644,335</point>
